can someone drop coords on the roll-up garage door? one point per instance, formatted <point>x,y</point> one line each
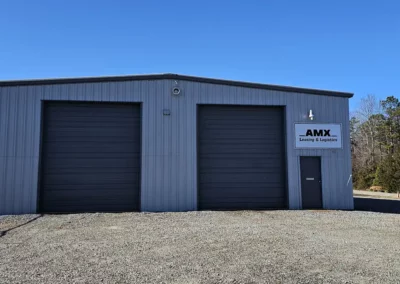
<point>90,157</point>
<point>241,157</point>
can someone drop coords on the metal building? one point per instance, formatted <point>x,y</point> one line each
<point>171,143</point>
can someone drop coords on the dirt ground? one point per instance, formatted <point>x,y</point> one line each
<point>372,194</point>
<point>202,247</point>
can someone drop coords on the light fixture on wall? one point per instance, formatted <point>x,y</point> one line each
<point>311,115</point>
<point>176,91</point>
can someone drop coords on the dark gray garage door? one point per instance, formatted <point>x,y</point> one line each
<point>90,157</point>
<point>241,157</point>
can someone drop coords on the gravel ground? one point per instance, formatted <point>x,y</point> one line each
<point>12,222</point>
<point>203,247</point>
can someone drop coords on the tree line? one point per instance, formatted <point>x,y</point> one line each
<point>375,144</point>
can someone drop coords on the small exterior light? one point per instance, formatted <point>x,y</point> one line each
<point>176,91</point>
<point>311,116</point>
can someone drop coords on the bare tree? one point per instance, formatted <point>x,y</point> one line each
<point>367,136</point>
<point>368,107</point>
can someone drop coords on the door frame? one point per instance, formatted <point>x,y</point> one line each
<point>300,180</point>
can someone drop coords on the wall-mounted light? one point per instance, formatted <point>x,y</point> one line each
<point>176,90</point>
<point>311,115</point>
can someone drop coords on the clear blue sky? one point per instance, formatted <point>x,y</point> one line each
<point>340,45</point>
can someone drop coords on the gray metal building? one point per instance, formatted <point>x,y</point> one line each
<point>171,143</point>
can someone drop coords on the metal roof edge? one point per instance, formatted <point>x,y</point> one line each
<point>170,76</point>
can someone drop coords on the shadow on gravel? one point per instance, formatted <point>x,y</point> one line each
<point>377,205</point>
<point>3,233</point>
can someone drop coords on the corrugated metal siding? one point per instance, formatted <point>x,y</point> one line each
<point>169,168</point>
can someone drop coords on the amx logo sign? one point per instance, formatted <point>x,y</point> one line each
<point>318,135</point>
<point>318,132</point>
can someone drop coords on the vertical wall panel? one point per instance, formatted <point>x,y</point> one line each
<point>169,150</point>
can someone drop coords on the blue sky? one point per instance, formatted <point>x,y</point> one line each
<point>338,45</point>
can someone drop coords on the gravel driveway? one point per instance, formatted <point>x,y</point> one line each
<point>202,247</point>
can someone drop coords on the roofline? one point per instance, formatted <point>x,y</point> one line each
<point>169,76</point>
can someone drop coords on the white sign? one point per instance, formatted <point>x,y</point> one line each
<point>309,135</point>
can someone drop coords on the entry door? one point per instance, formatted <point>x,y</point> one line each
<point>311,183</point>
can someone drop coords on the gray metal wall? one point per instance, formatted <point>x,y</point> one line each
<point>169,174</point>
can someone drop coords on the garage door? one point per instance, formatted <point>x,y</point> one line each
<point>241,157</point>
<point>90,157</point>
